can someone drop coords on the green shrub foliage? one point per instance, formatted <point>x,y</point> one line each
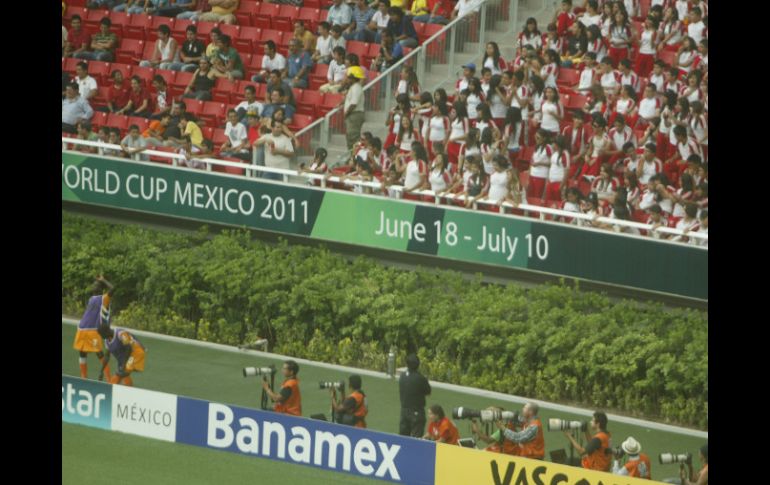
<point>551,342</point>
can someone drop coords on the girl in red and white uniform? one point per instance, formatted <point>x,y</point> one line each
<point>682,196</point>
<point>550,71</point>
<point>649,165</point>
<point>491,146</point>
<point>540,165</point>
<point>497,100</point>
<point>484,120</point>
<point>520,94</point>
<point>688,223</point>
<point>552,112</point>
<point>439,179</point>
<point>492,59</point>
<point>672,82</point>
<point>625,105</point>
<point>685,146</point>
<point>606,21</point>
<point>671,30</point>
<point>438,128</point>
<point>596,104</point>
<point>688,52</point>
<point>682,8</point>
<point>627,75</point>
<point>619,135</point>
<point>599,145</point>
<point>699,127</point>
<point>595,42</point>
<point>529,36</point>
<point>499,180</point>
<point>471,148</point>
<point>415,170</point>
<point>537,91</point>
<point>408,84</point>
<point>619,37</point>
<point>649,107</point>
<point>559,170</point>
<point>551,40</point>
<point>609,78</point>
<point>407,135</point>
<point>605,186</point>
<point>633,191</point>
<point>692,90</point>
<point>403,107</point>
<point>474,99</point>
<point>317,166</point>
<point>458,131</point>
<point>657,76</point>
<point>667,123</point>
<point>512,133</point>
<point>423,113</point>
<point>648,47</point>
<point>701,63</point>
<point>588,75</point>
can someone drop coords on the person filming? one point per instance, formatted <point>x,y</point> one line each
<point>288,399</point>
<point>597,453</point>
<point>530,438</point>
<point>637,465</point>
<point>498,443</point>
<point>353,410</point>
<point>702,477</point>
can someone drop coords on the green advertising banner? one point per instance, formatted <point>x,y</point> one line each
<point>385,223</point>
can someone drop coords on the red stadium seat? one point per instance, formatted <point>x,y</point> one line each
<point>213,113</point>
<point>227,169</point>
<point>168,75</point>
<point>667,56</point>
<point>437,49</point>
<point>361,49</point>
<point>575,101</point>
<point>92,18</point>
<point>247,39</point>
<point>129,51</point>
<point>145,74</point>
<point>310,17</point>
<point>193,106</point>
<point>312,4</point>
<point>233,31</point>
<point>264,16</point>
<point>100,71</point>
<point>284,21</point>
<point>117,121</point>
<point>204,31</point>
<point>299,121</point>
<point>72,10</point>
<point>137,27</point>
<point>142,123</point>
<point>208,132</point>
<point>270,34</point>
<point>180,28</point>
<point>182,79</point>
<point>331,101</point>
<point>99,119</point>
<point>219,137</point>
<point>149,50</point>
<point>310,103</point>
<point>568,77</point>
<point>161,159</point>
<point>245,13</point>
<point>100,98</point>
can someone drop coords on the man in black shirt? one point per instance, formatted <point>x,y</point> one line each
<point>191,52</point>
<point>413,387</point>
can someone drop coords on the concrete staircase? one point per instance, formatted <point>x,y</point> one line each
<point>444,75</point>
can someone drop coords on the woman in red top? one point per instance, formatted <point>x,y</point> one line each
<point>440,428</point>
<point>139,100</point>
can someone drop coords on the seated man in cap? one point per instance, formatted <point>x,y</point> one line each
<point>637,463</point>
<point>469,72</point>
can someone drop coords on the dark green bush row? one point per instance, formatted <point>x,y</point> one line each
<point>551,342</point>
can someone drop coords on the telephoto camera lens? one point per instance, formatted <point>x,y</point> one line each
<point>331,385</point>
<point>556,424</point>
<point>258,371</point>
<point>669,458</point>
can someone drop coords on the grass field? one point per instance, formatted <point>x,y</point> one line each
<point>216,375</point>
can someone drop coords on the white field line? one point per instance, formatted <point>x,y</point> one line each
<point>438,385</point>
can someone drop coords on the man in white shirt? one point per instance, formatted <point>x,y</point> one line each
<point>237,139</point>
<point>86,84</point>
<point>133,144</point>
<point>378,23</point>
<point>278,149</point>
<point>696,28</point>
<point>323,44</point>
<point>271,60</point>
<point>249,104</point>
<point>336,73</point>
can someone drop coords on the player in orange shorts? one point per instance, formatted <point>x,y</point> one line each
<point>87,339</point>
<point>128,351</point>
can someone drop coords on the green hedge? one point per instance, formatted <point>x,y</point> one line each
<point>550,342</point>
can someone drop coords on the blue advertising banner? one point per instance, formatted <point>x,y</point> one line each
<point>305,441</point>
<point>86,402</point>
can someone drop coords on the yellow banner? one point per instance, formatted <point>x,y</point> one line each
<point>456,465</point>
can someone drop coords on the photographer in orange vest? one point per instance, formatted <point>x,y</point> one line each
<point>637,465</point>
<point>288,399</point>
<point>497,441</point>
<point>530,438</point>
<point>597,453</point>
<point>353,410</point>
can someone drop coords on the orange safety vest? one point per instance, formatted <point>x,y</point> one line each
<point>639,468</point>
<point>293,405</point>
<point>361,409</point>
<point>534,449</point>
<point>507,446</point>
<point>599,459</point>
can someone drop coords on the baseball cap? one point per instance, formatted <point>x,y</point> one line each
<point>470,66</point>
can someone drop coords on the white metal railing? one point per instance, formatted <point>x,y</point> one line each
<point>324,179</point>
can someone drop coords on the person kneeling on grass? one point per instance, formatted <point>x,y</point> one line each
<point>128,351</point>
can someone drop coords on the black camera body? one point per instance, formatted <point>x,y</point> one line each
<point>618,452</point>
